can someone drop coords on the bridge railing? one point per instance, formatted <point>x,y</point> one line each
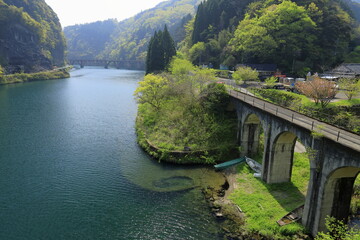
<point>342,136</point>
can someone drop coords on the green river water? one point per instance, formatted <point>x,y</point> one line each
<point>70,167</point>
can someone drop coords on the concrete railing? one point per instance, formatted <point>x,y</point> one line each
<point>334,133</point>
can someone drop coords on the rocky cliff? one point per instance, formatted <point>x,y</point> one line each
<point>31,37</point>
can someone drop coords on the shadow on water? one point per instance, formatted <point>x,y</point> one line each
<point>164,177</point>
<point>174,182</point>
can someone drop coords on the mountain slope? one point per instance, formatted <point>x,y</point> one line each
<point>129,39</point>
<point>86,41</point>
<point>31,36</point>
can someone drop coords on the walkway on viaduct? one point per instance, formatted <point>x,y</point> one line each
<point>333,168</point>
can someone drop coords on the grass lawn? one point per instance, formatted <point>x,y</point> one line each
<point>345,102</point>
<point>264,204</point>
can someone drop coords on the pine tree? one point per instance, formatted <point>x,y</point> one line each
<point>199,25</point>
<point>169,47</point>
<point>149,61</point>
<point>160,51</point>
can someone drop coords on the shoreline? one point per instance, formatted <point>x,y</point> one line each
<point>230,217</point>
<point>32,77</point>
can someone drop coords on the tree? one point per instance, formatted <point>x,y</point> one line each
<point>181,67</point>
<point>197,52</point>
<point>199,24</point>
<point>169,46</point>
<point>271,81</point>
<point>253,42</point>
<point>189,80</point>
<point>338,231</point>
<point>152,90</point>
<point>350,87</point>
<point>321,90</point>
<point>160,51</point>
<point>229,61</point>
<point>155,55</point>
<point>283,34</point>
<point>243,74</point>
<point>1,70</point>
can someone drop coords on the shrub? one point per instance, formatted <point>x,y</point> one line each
<point>243,74</point>
<point>282,98</point>
<point>338,230</point>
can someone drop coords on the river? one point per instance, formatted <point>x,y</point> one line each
<point>70,167</point>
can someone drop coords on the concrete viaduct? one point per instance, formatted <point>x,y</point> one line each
<point>120,64</point>
<point>333,168</point>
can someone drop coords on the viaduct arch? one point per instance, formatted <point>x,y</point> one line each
<point>333,169</point>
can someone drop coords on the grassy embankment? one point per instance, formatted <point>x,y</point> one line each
<point>30,77</point>
<point>263,204</point>
<point>183,117</point>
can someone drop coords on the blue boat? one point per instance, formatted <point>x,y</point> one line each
<point>230,163</point>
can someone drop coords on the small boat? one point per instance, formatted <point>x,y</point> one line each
<point>293,216</point>
<point>254,165</point>
<point>229,163</point>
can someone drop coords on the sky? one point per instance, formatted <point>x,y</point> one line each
<point>71,12</point>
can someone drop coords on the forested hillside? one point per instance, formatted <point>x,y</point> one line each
<point>298,36</point>
<point>88,40</point>
<point>30,35</point>
<point>129,39</point>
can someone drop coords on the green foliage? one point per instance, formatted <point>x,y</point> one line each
<point>282,34</point>
<point>128,39</point>
<point>271,81</point>
<point>352,102</point>
<point>183,108</point>
<point>286,99</point>
<point>197,52</point>
<point>354,56</point>
<point>35,24</point>
<point>161,49</point>
<point>243,74</point>
<point>338,230</point>
<point>296,36</point>
<point>214,24</point>
<point>30,77</point>
<point>131,39</point>
<point>264,204</point>
<point>82,42</point>
<point>317,134</point>
<point>152,90</point>
<point>341,113</point>
<point>213,16</point>
<point>181,67</point>
<point>350,87</point>
<point>355,200</point>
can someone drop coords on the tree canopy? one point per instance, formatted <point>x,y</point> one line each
<point>283,34</point>
<point>160,51</point>
<point>295,35</point>
<point>185,107</point>
<point>320,90</point>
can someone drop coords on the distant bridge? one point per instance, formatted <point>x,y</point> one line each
<point>333,168</point>
<point>106,63</point>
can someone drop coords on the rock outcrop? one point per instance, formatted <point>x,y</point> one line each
<point>31,37</point>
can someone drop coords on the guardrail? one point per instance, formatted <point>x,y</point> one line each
<point>341,136</point>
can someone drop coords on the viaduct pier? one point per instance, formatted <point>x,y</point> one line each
<point>334,165</point>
